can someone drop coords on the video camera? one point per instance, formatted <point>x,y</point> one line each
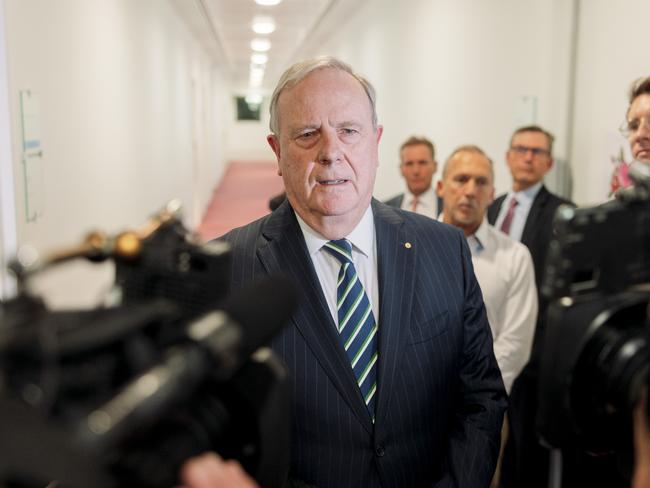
<point>123,395</point>
<point>595,358</point>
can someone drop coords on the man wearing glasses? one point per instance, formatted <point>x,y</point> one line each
<point>526,213</point>
<point>637,121</point>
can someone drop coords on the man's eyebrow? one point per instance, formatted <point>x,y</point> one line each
<point>347,123</point>
<point>301,128</point>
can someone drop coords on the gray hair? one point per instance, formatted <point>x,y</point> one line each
<point>299,71</point>
<point>468,148</point>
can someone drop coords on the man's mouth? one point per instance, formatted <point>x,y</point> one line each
<point>331,182</point>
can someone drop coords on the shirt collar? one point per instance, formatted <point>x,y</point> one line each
<point>525,197</point>
<point>481,235</point>
<point>361,237</point>
<point>424,198</point>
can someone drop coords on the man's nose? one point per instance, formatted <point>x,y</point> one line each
<point>644,127</point>
<point>330,148</point>
<point>470,188</point>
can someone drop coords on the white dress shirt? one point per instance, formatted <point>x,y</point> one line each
<point>427,203</point>
<point>524,202</point>
<point>504,270</point>
<point>364,256</point>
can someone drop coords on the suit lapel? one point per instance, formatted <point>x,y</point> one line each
<point>536,210</point>
<point>396,275</point>
<point>494,209</point>
<point>285,253</point>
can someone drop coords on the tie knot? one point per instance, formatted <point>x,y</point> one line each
<point>513,203</point>
<point>341,250</point>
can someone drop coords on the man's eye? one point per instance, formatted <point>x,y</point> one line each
<point>347,131</point>
<point>633,125</point>
<point>307,135</point>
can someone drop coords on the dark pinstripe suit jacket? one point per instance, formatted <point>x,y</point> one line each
<point>440,396</point>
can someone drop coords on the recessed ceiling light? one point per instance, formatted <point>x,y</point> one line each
<point>259,58</point>
<point>267,2</point>
<point>260,45</point>
<point>263,25</point>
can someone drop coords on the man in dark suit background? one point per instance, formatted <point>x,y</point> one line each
<point>526,214</point>
<point>418,165</point>
<point>426,408</point>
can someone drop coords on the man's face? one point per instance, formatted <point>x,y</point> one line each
<point>326,147</point>
<point>418,168</point>
<point>529,159</point>
<point>638,121</point>
<point>467,189</point>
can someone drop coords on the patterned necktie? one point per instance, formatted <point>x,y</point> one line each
<point>507,221</point>
<point>414,204</point>
<point>357,327</point>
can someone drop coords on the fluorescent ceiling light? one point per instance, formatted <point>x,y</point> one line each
<point>263,25</point>
<point>267,2</point>
<point>259,58</point>
<point>260,45</point>
<point>256,76</point>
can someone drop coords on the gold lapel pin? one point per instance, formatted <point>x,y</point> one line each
<point>407,245</point>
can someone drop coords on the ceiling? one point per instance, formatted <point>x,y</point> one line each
<point>225,28</point>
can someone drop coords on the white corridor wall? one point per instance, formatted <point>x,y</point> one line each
<point>130,115</point>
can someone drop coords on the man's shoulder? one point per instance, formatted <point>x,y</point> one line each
<point>415,223</point>
<point>250,235</point>
<point>506,243</point>
<point>553,199</point>
<point>395,201</point>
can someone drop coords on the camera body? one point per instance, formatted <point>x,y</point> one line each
<point>596,348</point>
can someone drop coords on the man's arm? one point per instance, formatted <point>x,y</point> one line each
<point>513,344</point>
<point>481,400</point>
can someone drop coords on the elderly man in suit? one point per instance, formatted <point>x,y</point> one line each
<point>526,214</point>
<point>418,165</point>
<point>390,357</point>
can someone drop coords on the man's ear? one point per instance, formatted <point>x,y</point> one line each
<point>440,186</point>
<point>380,131</point>
<point>274,142</point>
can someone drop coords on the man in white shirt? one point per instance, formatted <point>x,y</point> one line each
<point>418,165</point>
<point>503,266</point>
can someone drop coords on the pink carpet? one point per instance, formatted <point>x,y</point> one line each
<point>241,197</point>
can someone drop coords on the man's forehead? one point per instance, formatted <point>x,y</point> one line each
<point>348,96</point>
<point>416,150</point>
<point>469,163</point>
<point>531,137</point>
<point>640,106</point>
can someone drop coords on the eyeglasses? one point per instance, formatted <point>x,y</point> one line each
<point>537,151</point>
<point>630,127</point>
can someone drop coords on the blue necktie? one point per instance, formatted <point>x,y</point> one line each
<point>357,327</point>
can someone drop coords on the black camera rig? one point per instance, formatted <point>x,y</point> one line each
<point>596,352</point>
<point>123,395</point>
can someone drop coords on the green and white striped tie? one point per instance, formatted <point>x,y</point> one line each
<point>357,327</point>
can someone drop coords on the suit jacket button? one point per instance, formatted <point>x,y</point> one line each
<point>380,451</point>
